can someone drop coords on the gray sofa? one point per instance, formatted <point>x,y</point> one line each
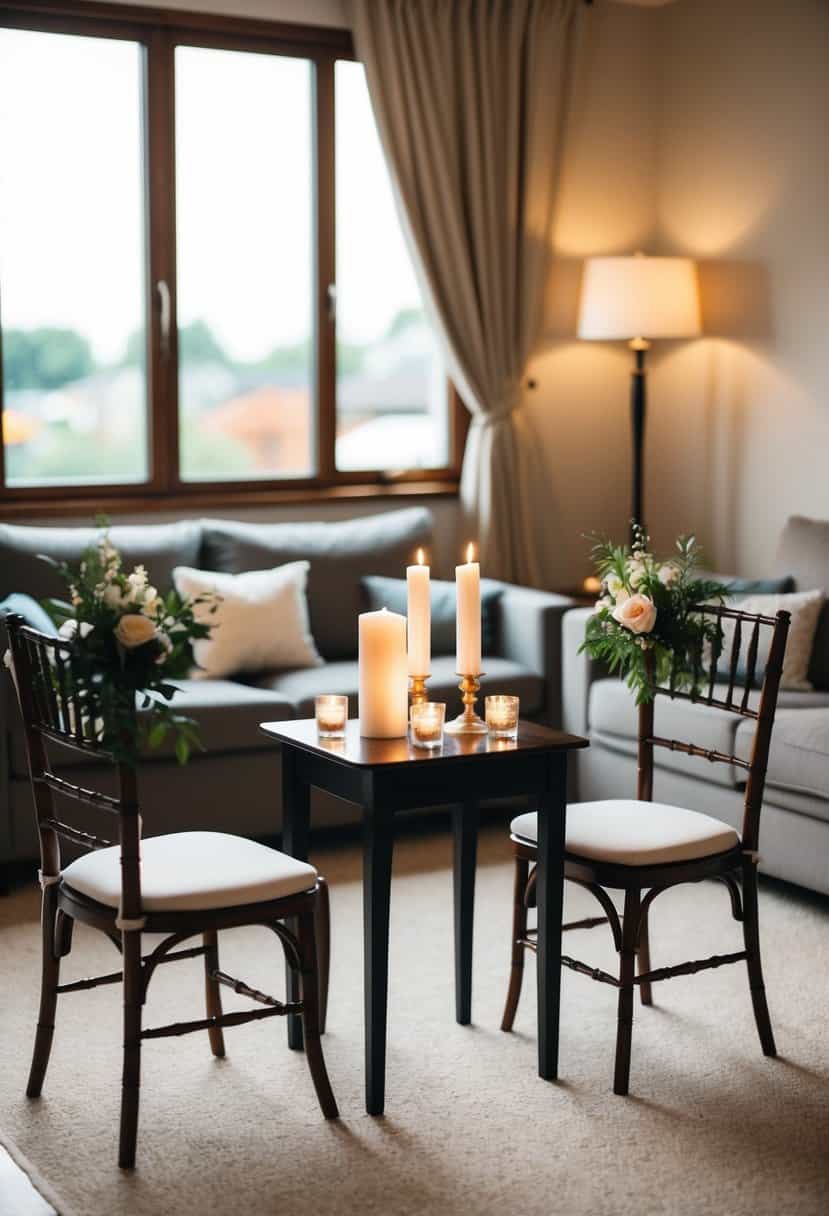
<point>235,784</point>
<point>794,832</point>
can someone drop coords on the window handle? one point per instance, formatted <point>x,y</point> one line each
<point>164,316</point>
<point>332,301</point>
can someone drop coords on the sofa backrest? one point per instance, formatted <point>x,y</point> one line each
<point>160,547</point>
<point>340,554</point>
<point>803,552</point>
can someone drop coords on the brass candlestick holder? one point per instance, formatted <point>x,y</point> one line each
<point>468,723</point>
<point>417,690</point>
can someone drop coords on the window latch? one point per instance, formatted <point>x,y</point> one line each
<point>164,316</point>
<point>332,301</point>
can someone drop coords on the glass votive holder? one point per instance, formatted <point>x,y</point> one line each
<point>332,714</point>
<point>502,716</point>
<point>426,724</point>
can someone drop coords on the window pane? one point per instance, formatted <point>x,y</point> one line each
<point>392,399</point>
<point>72,260</point>
<point>244,204</point>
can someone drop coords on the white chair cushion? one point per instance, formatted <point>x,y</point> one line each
<point>194,870</point>
<point>627,832</point>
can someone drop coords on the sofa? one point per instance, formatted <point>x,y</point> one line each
<point>234,785</point>
<point>794,827</point>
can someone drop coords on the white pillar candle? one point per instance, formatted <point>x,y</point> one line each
<point>468,585</point>
<point>383,679</point>
<point>419,618</point>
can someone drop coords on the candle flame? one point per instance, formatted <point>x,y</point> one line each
<point>421,557</point>
<point>470,552</point>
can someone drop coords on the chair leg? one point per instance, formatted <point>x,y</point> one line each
<point>50,977</point>
<point>630,932</point>
<point>751,935</point>
<point>306,935</point>
<point>323,930</point>
<point>213,991</point>
<point>131,1081</point>
<point>519,931</point>
<point>643,955</point>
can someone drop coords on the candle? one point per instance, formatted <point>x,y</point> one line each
<point>427,724</point>
<point>419,618</point>
<point>383,677</point>
<point>502,716</point>
<point>468,584</point>
<point>332,714</point>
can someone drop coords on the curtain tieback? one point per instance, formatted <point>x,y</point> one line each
<point>493,417</point>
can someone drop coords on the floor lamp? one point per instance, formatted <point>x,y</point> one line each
<point>638,299</point>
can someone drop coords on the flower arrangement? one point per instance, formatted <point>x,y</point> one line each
<point>644,625</point>
<point>128,643</point>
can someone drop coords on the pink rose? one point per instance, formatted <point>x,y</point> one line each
<point>637,613</point>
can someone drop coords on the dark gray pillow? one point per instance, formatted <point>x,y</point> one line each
<point>340,554</point>
<point>33,613</point>
<point>752,586</point>
<point>392,593</point>
<point>160,547</point>
<point>804,550</point>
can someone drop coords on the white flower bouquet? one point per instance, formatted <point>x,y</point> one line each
<point>645,627</point>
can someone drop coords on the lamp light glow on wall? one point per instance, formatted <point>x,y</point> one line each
<point>638,299</point>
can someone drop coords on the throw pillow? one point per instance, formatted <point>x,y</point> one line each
<point>32,612</point>
<point>804,607</point>
<point>392,593</point>
<point>260,624</point>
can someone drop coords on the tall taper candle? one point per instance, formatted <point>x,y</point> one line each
<point>468,585</point>
<point>419,618</point>
<point>383,679</point>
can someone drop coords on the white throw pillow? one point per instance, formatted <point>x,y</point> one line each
<point>261,623</point>
<point>805,608</point>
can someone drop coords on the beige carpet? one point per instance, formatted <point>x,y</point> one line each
<point>712,1127</point>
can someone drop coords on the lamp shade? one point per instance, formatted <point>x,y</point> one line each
<point>639,297</point>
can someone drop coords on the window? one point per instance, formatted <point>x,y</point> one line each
<point>204,286</point>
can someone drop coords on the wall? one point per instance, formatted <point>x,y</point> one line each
<point>739,427</point>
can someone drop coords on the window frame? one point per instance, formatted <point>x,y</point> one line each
<point>160,31</point>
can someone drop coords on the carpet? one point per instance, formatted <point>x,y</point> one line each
<point>711,1125</point>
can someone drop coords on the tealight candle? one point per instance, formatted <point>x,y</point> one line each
<point>426,724</point>
<point>332,714</point>
<point>502,716</point>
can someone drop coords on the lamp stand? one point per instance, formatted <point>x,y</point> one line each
<point>639,346</point>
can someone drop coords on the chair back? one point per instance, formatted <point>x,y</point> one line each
<point>56,709</point>
<point>723,681</point>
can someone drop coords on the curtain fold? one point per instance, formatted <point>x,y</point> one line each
<point>471,100</point>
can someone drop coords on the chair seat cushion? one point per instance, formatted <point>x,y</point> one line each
<point>624,831</point>
<point>186,871</point>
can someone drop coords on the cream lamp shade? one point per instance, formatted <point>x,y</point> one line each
<point>639,297</point>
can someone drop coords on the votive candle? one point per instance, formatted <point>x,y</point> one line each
<point>332,714</point>
<point>426,724</point>
<point>502,716</point>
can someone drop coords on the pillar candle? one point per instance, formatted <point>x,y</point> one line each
<point>383,678</point>
<point>419,618</point>
<point>468,585</point>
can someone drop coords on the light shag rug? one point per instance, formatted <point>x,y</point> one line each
<point>711,1126</point>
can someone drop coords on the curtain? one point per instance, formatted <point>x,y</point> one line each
<point>470,98</point>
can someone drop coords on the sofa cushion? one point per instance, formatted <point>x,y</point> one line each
<point>159,547</point>
<point>393,593</point>
<point>803,552</point>
<point>799,753</point>
<point>30,610</point>
<point>339,553</point>
<point>228,714</point>
<point>342,677</point>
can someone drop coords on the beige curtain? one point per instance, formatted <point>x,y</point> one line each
<point>470,98</point>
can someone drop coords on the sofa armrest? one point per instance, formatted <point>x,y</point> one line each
<point>530,634</point>
<point>578,672</point>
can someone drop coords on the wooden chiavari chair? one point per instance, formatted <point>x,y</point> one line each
<point>187,884</point>
<point>640,845</point>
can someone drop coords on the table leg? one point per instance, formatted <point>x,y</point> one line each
<point>465,827</point>
<point>296,823</point>
<point>377,859</point>
<point>550,900</point>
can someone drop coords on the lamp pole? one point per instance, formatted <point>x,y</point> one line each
<point>639,346</point>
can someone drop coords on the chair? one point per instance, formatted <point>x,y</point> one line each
<point>186,884</point>
<point>641,845</point>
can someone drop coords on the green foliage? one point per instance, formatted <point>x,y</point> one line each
<point>44,358</point>
<point>666,643</point>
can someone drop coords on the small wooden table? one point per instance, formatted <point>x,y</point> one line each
<point>384,776</point>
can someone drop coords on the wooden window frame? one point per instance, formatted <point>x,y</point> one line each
<point>160,31</point>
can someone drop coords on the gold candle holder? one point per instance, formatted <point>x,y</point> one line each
<point>417,690</point>
<point>468,723</point>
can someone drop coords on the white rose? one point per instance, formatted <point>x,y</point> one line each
<point>69,628</point>
<point>636,572</point>
<point>134,630</point>
<point>637,613</point>
<point>112,595</point>
<point>152,602</point>
<point>668,575</point>
<point>614,585</point>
